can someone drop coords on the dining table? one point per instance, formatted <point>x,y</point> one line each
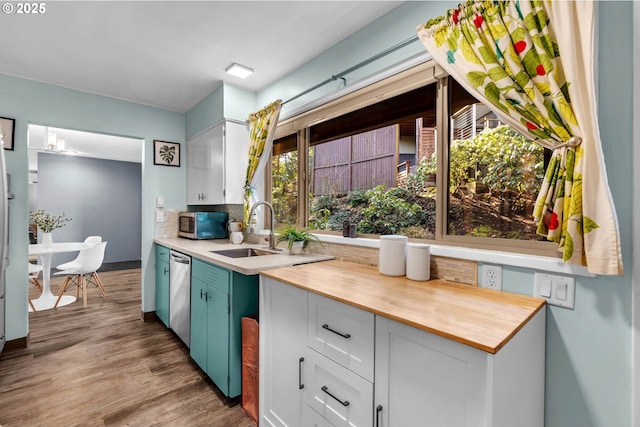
<point>44,252</point>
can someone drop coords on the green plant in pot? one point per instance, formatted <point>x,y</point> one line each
<point>297,238</point>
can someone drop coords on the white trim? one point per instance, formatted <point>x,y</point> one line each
<point>534,262</point>
<point>635,264</point>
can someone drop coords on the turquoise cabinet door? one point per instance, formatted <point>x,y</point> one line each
<point>162,284</point>
<point>198,350</point>
<point>218,338</point>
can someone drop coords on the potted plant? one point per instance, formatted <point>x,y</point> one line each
<point>47,223</point>
<point>297,238</point>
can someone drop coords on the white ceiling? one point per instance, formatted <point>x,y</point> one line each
<point>167,54</point>
<point>172,54</point>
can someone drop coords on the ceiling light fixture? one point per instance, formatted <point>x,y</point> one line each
<point>239,70</point>
<point>55,144</point>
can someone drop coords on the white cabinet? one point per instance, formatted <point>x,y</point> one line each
<point>421,376</point>
<point>300,386</point>
<point>217,164</point>
<point>327,363</point>
<point>283,341</point>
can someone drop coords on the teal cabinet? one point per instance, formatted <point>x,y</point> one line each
<point>162,283</point>
<point>219,299</point>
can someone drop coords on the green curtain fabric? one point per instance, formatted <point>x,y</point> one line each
<point>507,54</point>
<point>262,126</point>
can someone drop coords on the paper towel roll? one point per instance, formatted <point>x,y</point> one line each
<point>418,261</point>
<point>392,253</point>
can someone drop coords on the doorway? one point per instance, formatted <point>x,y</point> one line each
<point>94,179</point>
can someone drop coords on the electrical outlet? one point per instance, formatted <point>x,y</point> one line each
<point>492,276</point>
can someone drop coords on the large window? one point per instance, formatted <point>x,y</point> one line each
<point>431,163</point>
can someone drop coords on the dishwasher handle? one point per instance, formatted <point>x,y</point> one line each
<point>181,258</point>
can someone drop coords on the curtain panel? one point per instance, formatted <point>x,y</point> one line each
<point>532,63</point>
<point>262,126</point>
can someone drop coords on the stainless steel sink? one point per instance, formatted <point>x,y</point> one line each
<point>242,252</point>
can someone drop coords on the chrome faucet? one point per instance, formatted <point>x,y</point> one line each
<point>272,236</point>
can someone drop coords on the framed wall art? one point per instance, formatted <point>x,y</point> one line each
<point>7,132</point>
<point>166,153</point>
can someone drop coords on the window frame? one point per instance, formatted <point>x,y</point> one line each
<point>413,78</point>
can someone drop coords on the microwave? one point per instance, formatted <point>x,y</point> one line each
<point>202,225</point>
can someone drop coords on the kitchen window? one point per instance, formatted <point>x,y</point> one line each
<point>431,163</point>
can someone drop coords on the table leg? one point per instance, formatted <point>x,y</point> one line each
<point>47,300</point>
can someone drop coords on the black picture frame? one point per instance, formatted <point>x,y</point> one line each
<point>8,131</point>
<point>166,153</point>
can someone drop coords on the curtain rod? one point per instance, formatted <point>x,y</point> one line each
<point>368,61</point>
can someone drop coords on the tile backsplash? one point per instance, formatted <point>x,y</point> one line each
<point>452,269</point>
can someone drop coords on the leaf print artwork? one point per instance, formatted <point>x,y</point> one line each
<point>167,153</point>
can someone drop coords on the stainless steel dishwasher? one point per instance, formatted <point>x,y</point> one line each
<point>180,295</point>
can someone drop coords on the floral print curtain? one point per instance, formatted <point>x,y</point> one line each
<point>262,126</point>
<point>533,63</point>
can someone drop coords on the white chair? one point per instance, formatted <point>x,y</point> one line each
<point>84,273</point>
<point>34,271</point>
<point>79,259</point>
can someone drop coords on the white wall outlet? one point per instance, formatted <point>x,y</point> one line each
<point>492,276</point>
<point>557,290</point>
<point>159,216</point>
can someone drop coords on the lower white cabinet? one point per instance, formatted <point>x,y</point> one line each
<point>311,376</point>
<point>283,342</point>
<point>420,376</point>
<point>340,396</point>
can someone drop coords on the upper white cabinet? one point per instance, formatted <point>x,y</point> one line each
<point>217,162</point>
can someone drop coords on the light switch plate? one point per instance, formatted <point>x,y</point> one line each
<point>160,216</point>
<point>160,202</point>
<point>557,290</point>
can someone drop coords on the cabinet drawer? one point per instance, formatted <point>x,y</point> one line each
<point>338,395</point>
<point>215,276</point>
<point>342,333</point>
<point>162,253</point>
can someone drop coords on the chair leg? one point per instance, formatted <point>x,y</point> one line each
<point>98,282</point>
<point>62,289</point>
<point>36,282</point>
<point>33,308</point>
<point>84,290</point>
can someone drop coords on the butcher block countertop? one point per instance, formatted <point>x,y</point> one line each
<point>482,318</point>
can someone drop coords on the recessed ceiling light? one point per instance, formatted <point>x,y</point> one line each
<point>239,71</point>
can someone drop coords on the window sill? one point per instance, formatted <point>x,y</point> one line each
<point>541,263</point>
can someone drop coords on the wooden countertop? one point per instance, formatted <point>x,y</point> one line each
<point>478,317</point>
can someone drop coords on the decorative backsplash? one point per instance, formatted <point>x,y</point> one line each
<point>168,228</point>
<point>452,269</point>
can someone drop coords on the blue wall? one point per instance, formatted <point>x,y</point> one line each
<point>103,198</point>
<point>31,102</point>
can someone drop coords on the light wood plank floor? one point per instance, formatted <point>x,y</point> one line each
<point>103,366</point>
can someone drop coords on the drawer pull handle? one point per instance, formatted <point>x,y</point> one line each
<point>300,385</point>
<point>345,336</point>
<point>378,410</point>
<point>342,402</point>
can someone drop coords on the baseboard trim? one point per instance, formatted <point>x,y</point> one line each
<point>16,344</point>
<point>148,316</point>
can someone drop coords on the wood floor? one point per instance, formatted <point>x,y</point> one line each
<point>103,366</point>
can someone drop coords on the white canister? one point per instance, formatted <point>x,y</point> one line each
<point>236,237</point>
<point>392,253</point>
<point>418,261</point>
